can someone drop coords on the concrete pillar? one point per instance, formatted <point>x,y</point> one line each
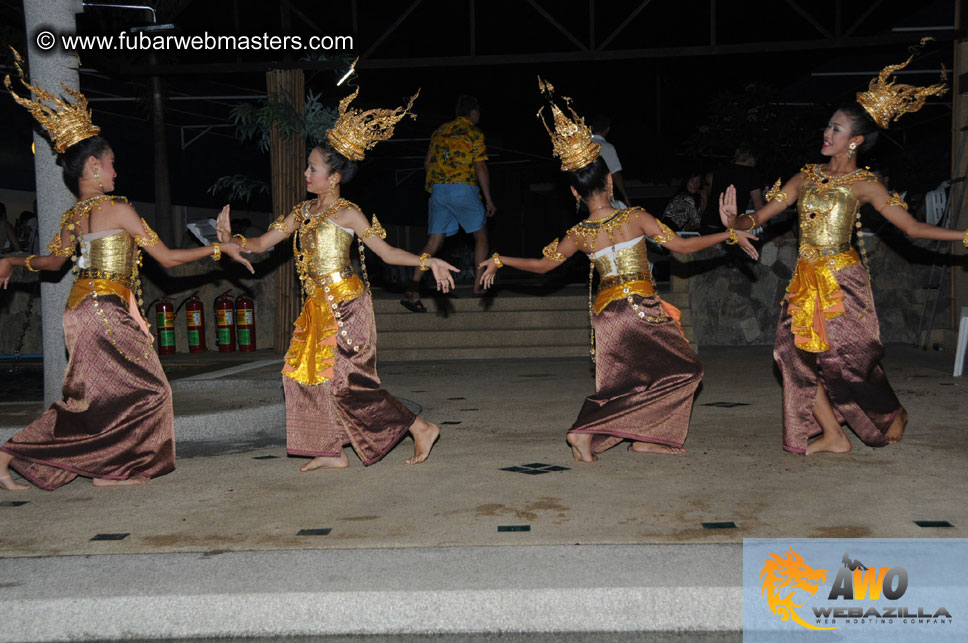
<point>49,69</point>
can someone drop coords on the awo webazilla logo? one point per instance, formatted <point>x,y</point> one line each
<point>793,588</point>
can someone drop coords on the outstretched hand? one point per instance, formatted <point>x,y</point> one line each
<point>727,206</point>
<point>490,272</point>
<point>223,225</point>
<point>235,251</point>
<point>442,274</point>
<point>744,243</point>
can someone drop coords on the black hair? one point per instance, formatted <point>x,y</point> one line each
<point>600,123</point>
<point>589,180</point>
<point>74,158</point>
<point>684,186</point>
<point>336,162</point>
<point>861,124</point>
<point>744,152</point>
<point>466,104</point>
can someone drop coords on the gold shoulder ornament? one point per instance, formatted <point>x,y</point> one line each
<point>149,238</point>
<point>895,199</point>
<point>375,230</point>
<point>776,194</point>
<point>550,252</point>
<point>665,234</point>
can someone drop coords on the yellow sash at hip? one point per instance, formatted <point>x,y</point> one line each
<point>311,353</point>
<point>814,295</point>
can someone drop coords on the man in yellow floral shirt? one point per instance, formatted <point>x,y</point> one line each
<point>456,168</point>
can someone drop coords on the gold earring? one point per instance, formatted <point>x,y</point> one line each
<point>333,183</point>
<point>577,203</point>
<point>97,177</point>
<point>850,150</point>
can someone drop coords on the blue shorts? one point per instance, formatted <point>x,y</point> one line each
<point>453,204</point>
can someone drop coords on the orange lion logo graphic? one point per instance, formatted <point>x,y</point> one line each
<point>789,572</point>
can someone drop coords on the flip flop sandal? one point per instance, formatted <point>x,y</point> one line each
<point>413,306</point>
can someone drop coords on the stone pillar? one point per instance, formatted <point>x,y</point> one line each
<point>959,168</point>
<point>49,69</point>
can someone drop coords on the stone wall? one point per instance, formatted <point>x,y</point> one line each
<point>735,301</point>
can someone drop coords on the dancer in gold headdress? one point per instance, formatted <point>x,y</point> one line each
<point>827,344</point>
<point>115,422</point>
<point>333,393</point>
<point>647,401</point>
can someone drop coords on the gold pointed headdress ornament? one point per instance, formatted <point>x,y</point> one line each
<point>66,122</point>
<point>886,101</point>
<point>357,131</point>
<point>571,139</point>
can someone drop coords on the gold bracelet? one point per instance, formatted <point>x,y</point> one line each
<point>497,260</point>
<point>752,219</point>
<point>964,239</point>
<point>27,263</point>
<point>733,239</point>
<point>244,242</point>
<point>423,261</point>
<point>216,251</point>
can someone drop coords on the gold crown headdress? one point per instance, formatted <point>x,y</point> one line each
<point>572,139</point>
<point>66,122</point>
<point>886,102</point>
<point>356,131</point>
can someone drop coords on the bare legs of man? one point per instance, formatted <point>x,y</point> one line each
<point>411,296</point>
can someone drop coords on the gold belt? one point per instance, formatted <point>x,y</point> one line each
<point>335,277</point>
<point>814,253</point>
<point>618,280</point>
<point>119,277</point>
<point>616,290</point>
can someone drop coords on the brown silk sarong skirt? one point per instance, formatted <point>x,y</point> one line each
<point>646,376</point>
<point>116,420</point>
<point>849,370</point>
<point>351,408</point>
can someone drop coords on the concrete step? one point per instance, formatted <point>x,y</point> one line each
<point>506,319</point>
<point>482,337</point>
<point>434,353</point>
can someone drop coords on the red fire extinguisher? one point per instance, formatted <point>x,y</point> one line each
<point>245,322</point>
<point>225,322</point>
<point>165,316</point>
<point>195,323</point>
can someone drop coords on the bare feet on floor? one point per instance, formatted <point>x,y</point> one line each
<point>8,483</point>
<point>651,447</point>
<point>326,462</point>
<point>424,435</point>
<point>830,442</point>
<point>107,482</point>
<point>581,447</point>
<point>896,430</point>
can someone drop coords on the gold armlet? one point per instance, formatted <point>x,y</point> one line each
<point>895,199</point>
<point>497,260</point>
<point>242,240</point>
<point>775,194</point>
<point>964,239</point>
<point>423,261</point>
<point>733,239</point>
<point>149,239</point>
<point>665,234</point>
<point>280,224</point>
<point>216,251</point>
<point>550,251</point>
<point>27,263</point>
<point>375,230</point>
<point>754,224</point>
<point>56,246</point>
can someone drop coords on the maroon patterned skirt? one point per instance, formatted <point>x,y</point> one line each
<point>116,419</point>
<point>646,376</point>
<point>352,407</point>
<point>849,370</point>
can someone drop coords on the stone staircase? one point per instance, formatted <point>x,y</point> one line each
<point>519,321</point>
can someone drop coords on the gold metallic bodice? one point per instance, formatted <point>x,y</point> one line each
<point>633,260</point>
<point>827,214</point>
<point>113,257</point>
<point>325,248</point>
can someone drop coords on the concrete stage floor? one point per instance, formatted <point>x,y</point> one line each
<point>245,495</point>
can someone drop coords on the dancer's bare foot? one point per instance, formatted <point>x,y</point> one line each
<point>326,462</point>
<point>831,442</point>
<point>896,430</point>
<point>107,482</point>
<point>581,447</point>
<point>424,435</point>
<point>651,447</point>
<point>8,483</point>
